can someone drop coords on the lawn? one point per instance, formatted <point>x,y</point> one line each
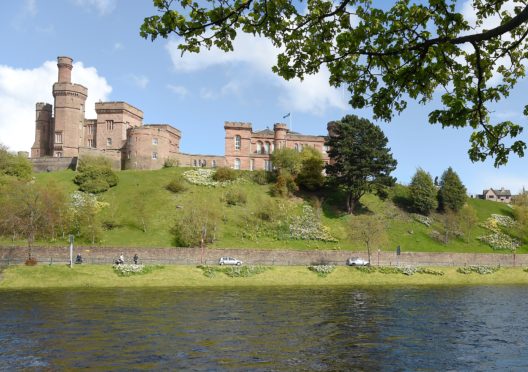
<point>101,276</point>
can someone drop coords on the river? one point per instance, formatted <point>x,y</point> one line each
<point>284,329</point>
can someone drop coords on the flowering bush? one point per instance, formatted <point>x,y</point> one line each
<point>322,270</point>
<point>233,272</point>
<point>133,269</point>
<point>427,221</point>
<point>499,240</point>
<point>504,221</point>
<point>425,270</point>
<point>366,269</point>
<point>204,177</point>
<point>308,227</point>
<point>405,270</point>
<point>482,270</point>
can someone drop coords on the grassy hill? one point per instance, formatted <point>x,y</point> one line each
<point>262,221</point>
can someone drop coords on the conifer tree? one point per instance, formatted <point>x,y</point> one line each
<point>452,194</point>
<point>423,192</point>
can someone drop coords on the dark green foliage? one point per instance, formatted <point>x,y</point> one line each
<point>235,196</point>
<point>260,177</point>
<point>452,194</point>
<point>14,165</point>
<point>285,185</point>
<point>287,159</point>
<point>422,192</point>
<point>176,185</point>
<point>311,175</point>
<point>224,174</point>
<point>233,272</point>
<point>362,162</point>
<point>95,175</point>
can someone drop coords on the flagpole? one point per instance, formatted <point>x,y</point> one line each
<point>289,117</point>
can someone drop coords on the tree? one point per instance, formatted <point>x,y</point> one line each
<point>467,220</point>
<point>361,162</point>
<point>407,50</point>
<point>311,174</point>
<point>369,230</point>
<point>422,192</point>
<point>196,223</point>
<point>286,159</point>
<point>13,165</point>
<point>452,194</point>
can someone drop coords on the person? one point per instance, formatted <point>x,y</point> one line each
<point>121,259</point>
<point>78,259</point>
<point>136,259</point>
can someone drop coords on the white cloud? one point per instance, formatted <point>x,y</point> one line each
<point>179,90</point>
<point>103,7</point>
<point>31,7</point>
<point>17,102</point>
<point>139,80</point>
<point>256,56</point>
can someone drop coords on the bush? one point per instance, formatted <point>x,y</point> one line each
<point>94,186</point>
<point>284,186</point>
<point>95,175</point>
<point>224,174</point>
<point>170,162</point>
<point>366,269</point>
<point>482,270</point>
<point>176,185</point>
<point>233,272</point>
<point>260,177</point>
<point>235,197</point>
<point>322,270</point>
<point>31,261</point>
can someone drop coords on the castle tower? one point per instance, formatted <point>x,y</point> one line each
<point>70,100</point>
<point>43,125</point>
<point>237,144</point>
<point>281,131</point>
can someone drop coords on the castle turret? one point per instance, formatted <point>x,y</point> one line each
<point>70,99</point>
<point>281,131</point>
<point>41,146</point>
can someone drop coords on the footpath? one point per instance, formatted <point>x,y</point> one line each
<point>195,256</point>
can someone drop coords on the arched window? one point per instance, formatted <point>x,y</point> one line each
<point>296,147</point>
<point>213,163</point>
<point>259,147</point>
<point>237,163</point>
<point>195,163</point>
<point>204,163</point>
<point>238,142</point>
<point>267,148</point>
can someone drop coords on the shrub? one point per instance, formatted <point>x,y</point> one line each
<point>366,269</point>
<point>133,269</point>
<point>224,174</point>
<point>31,261</point>
<point>235,197</point>
<point>500,241</point>
<point>233,272</point>
<point>482,270</point>
<point>322,270</point>
<point>425,270</point>
<point>260,177</point>
<point>170,162</point>
<point>176,185</point>
<point>285,185</point>
<point>204,177</point>
<point>95,175</point>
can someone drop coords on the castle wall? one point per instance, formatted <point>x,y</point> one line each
<point>43,126</point>
<point>150,145</point>
<point>114,119</point>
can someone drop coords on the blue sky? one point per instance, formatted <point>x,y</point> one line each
<point>197,93</point>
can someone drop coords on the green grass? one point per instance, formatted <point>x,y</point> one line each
<point>239,223</point>
<point>101,276</point>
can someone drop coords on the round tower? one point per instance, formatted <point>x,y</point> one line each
<point>281,131</point>
<point>70,99</point>
<point>41,146</point>
<point>65,68</point>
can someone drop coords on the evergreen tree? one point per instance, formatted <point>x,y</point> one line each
<point>422,192</point>
<point>452,194</point>
<point>361,161</point>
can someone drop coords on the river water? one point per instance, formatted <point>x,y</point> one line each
<point>286,329</point>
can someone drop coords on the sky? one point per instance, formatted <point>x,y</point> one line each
<point>197,93</point>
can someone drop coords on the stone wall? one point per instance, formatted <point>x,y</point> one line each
<point>50,164</point>
<point>193,256</point>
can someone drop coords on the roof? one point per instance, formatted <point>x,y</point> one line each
<point>501,192</point>
<point>266,131</point>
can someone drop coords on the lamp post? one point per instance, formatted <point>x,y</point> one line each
<point>71,251</point>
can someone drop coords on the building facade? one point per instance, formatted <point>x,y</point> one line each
<point>248,150</point>
<point>502,195</point>
<point>118,133</point>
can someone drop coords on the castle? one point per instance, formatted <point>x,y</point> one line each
<point>63,133</point>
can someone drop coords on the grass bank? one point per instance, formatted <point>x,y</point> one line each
<point>102,276</point>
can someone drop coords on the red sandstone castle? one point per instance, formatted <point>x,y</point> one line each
<point>118,133</point>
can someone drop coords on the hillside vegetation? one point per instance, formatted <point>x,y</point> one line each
<point>141,211</point>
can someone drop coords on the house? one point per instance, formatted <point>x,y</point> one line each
<point>502,195</point>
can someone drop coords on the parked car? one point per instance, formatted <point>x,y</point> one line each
<point>356,261</point>
<point>229,261</point>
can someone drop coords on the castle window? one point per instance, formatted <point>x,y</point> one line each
<point>213,163</point>
<point>267,148</point>
<point>238,142</point>
<point>252,164</point>
<point>108,141</point>
<point>204,163</point>
<point>154,156</point>
<point>154,141</point>
<point>58,137</point>
<point>268,166</point>
<point>91,143</point>
<point>91,129</point>
<point>259,147</point>
<point>237,163</point>
<point>110,125</point>
<point>195,163</point>
<point>296,147</point>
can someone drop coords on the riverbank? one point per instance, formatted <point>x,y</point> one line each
<point>103,276</point>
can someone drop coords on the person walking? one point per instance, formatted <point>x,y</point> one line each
<point>136,259</point>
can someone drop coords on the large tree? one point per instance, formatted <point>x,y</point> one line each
<point>422,192</point>
<point>361,162</point>
<point>385,56</point>
<point>452,194</point>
